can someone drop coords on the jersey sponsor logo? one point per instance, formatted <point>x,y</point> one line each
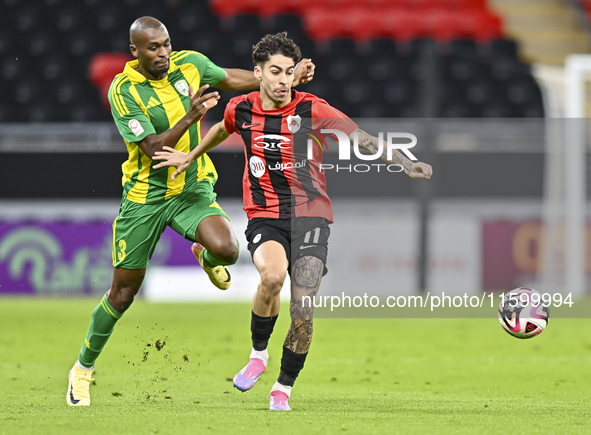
<point>248,125</point>
<point>294,123</point>
<point>282,166</point>
<point>136,127</point>
<point>257,166</point>
<point>182,87</point>
<point>272,142</point>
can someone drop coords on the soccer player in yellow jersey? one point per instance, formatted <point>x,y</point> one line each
<point>157,101</point>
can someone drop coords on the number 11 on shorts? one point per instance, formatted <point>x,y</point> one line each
<point>316,236</point>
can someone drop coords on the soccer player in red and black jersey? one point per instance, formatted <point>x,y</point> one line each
<point>285,199</point>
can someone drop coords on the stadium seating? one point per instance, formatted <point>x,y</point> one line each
<point>587,5</point>
<point>368,55</point>
<point>225,8</point>
<point>402,24</point>
<point>103,68</point>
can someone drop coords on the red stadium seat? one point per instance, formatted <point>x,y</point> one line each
<point>587,6</point>
<point>422,4</point>
<point>383,4</point>
<point>442,24</point>
<point>229,8</point>
<point>300,6</point>
<point>464,4</point>
<point>103,68</point>
<point>272,8</point>
<point>481,25</point>
<point>289,6</point>
<point>365,24</point>
<point>322,24</point>
<point>360,24</point>
<point>402,24</point>
<point>338,5</point>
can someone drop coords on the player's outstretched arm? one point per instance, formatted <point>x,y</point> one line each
<point>199,106</point>
<point>181,161</point>
<point>413,169</point>
<point>243,80</point>
<point>238,80</point>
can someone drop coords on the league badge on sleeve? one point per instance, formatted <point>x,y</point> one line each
<point>136,127</point>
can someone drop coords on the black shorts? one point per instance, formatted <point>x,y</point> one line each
<point>299,237</point>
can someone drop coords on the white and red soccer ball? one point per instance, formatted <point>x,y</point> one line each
<point>523,313</point>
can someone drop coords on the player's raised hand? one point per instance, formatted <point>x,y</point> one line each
<point>172,157</point>
<point>304,72</point>
<point>420,170</point>
<point>200,103</point>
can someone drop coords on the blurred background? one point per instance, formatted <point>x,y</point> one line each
<point>481,83</point>
<point>369,55</point>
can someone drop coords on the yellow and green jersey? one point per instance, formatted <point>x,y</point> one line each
<point>142,107</point>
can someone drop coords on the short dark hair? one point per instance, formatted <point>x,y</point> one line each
<point>271,45</point>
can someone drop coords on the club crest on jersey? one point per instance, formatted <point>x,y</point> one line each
<point>182,87</point>
<point>294,123</point>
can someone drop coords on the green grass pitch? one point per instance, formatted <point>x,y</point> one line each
<point>422,376</point>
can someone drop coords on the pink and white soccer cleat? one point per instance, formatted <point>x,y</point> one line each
<point>246,378</point>
<point>278,401</point>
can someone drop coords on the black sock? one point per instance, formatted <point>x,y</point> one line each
<point>291,365</point>
<point>261,328</point>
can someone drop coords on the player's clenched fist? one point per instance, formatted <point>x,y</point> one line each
<point>304,72</point>
<point>200,103</point>
<point>420,170</point>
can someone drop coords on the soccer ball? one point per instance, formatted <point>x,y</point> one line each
<point>523,313</point>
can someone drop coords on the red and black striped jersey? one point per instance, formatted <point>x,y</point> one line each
<point>280,179</point>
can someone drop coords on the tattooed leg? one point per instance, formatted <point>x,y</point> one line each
<point>305,279</point>
<point>306,276</point>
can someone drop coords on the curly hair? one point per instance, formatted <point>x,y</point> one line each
<point>271,45</point>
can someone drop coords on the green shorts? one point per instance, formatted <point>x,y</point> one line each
<point>137,229</point>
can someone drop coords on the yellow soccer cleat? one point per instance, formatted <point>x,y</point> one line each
<point>219,275</point>
<point>78,387</point>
